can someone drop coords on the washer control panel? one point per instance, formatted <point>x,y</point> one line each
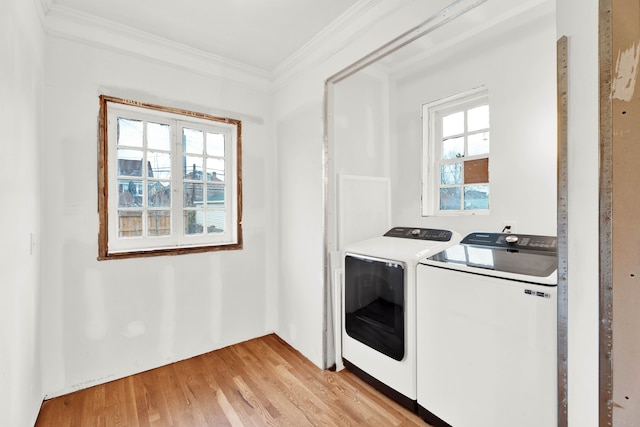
<point>511,241</point>
<point>420,234</point>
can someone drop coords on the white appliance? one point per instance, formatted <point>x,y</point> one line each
<point>379,307</point>
<point>487,333</point>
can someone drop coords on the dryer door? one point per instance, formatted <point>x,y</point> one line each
<point>374,303</point>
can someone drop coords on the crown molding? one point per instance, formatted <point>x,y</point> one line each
<point>355,12</point>
<point>340,33</point>
<point>70,24</point>
<point>43,7</point>
<point>46,5</point>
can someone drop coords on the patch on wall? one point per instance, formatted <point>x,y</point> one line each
<point>624,80</point>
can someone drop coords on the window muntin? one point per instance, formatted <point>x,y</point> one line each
<point>456,149</point>
<point>171,180</point>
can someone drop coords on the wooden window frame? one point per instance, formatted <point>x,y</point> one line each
<point>104,253</point>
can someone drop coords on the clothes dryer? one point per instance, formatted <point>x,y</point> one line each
<point>379,307</point>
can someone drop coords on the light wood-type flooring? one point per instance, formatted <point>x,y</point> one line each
<point>261,382</point>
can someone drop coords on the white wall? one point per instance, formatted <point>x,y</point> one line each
<point>361,124</point>
<point>359,175</point>
<point>298,113</point>
<point>107,319</point>
<point>578,20</point>
<point>300,297</point>
<point>22,52</point>
<point>516,61</point>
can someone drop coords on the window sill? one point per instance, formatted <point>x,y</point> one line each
<point>168,251</point>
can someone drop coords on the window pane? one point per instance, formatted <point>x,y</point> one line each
<point>159,164</point>
<point>476,197</point>
<point>193,194</point>
<point>159,194</point>
<point>215,195</point>
<point>129,223</point>
<point>478,143</point>
<point>215,144</point>
<point>215,170</point>
<point>159,223</point>
<point>453,148</point>
<point>193,141</point>
<point>193,222</point>
<point>450,198</point>
<point>478,118</point>
<point>215,221</point>
<point>129,193</point>
<point>193,167</point>
<point>450,174</point>
<point>129,132</point>
<point>453,124</point>
<point>158,136</point>
<point>130,162</point>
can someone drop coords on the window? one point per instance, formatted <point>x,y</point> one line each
<point>169,181</point>
<point>456,155</point>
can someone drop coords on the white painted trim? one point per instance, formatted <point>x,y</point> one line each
<point>46,5</point>
<point>337,316</point>
<point>341,24</point>
<point>43,6</point>
<point>432,149</point>
<point>348,27</point>
<point>67,23</point>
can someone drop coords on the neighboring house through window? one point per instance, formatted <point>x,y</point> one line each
<point>169,180</point>
<point>456,135</point>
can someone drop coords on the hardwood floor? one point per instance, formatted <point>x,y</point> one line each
<point>262,382</point>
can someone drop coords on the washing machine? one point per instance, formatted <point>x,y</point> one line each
<point>379,307</point>
<point>487,333</point>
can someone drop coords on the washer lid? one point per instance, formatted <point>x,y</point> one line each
<point>525,257</point>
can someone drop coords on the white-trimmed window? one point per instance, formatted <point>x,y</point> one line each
<point>170,181</point>
<point>456,146</point>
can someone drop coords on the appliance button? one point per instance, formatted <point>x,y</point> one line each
<point>511,239</point>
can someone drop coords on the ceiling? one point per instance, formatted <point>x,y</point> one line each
<point>257,33</point>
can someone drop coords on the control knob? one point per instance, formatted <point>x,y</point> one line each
<point>511,239</point>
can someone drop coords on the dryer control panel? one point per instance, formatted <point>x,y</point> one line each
<point>420,234</point>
